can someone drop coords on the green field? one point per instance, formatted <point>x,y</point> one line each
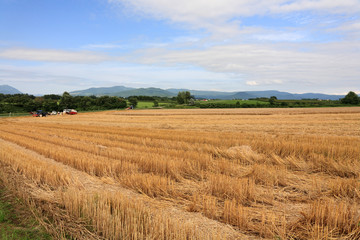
<point>14,114</point>
<point>144,104</point>
<point>148,104</point>
<point>253,102</point>
<point>231,103</point>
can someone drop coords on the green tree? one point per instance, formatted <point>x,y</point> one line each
<point>180,98</point>
<point>52,97</point>
<point>49,105</point>
<point>284,104</point>
<point>119,102</point>
<point>84,102</point>
<point>183,97</point>
<point>133,101</point>
<point>191,102</point>
<point>66,100</point>
<point>156,103</point>
<point>272,100</point>
<point>30,106</point>
<point>39,102</point>
<point>351,98</point>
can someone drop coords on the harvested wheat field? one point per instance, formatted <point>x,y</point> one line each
<point>189,174</point>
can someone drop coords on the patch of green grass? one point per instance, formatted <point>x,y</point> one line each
<point>234,102</point>
<point>14,114</point>
<point>142,105</point>
<point>3,212</point>
<point>15,233</point>
<point>16,222</point>
<point>149,104</point>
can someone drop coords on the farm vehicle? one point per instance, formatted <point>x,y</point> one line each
<point>39,113</point>
<point>70,111</point>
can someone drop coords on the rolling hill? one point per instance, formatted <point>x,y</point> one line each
<point>6,89</point>
<point>122,91</point>
<point>145,92</point>
<point>101,91</point>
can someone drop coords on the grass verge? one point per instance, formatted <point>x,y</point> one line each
<point>16,221</point>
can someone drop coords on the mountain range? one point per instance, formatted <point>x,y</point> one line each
<point>122,91</point>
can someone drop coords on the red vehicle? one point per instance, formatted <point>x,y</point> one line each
<point>39,113</point>
<point>70,111</point>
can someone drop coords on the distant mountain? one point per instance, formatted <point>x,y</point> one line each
<point>241,95</point>
<point>101,91</point>
<point>6,89</point>
<point>122,91</point>
<point>236,95</point>
<point>269,93</point>
<point>258,94</point>
<point>203,94</point>
<point>145,92</point>
<point>176,90</point>
<point>318,96</point>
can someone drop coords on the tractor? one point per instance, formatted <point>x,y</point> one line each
<point>39,113</point>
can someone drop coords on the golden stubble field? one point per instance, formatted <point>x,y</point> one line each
<point>189,174</point>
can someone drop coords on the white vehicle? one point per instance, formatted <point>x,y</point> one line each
<point>70,111</point>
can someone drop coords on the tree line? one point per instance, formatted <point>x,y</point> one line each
<point>53,102</point>
<point>351,99</point>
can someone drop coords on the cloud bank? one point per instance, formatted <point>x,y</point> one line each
<point>52,55</point>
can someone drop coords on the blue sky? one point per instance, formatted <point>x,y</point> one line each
<point>229,45</point>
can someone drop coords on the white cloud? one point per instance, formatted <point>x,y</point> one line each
<point>252,83</point>
<point>295,60</point>
<point>354,26</point>
<point>279,37</point>
<point>326,6</point>
<point>351,29</point>
<point>265,64</point>
<point>202,12</point>
<point>51,55</point>
<point>223,19</point>
<point>103,46</point>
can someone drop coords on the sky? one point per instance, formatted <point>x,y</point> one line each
<point>298,46</point>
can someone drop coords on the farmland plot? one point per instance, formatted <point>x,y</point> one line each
<point>189,174</point>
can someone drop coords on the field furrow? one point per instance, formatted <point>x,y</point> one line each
<point>78,198</point>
